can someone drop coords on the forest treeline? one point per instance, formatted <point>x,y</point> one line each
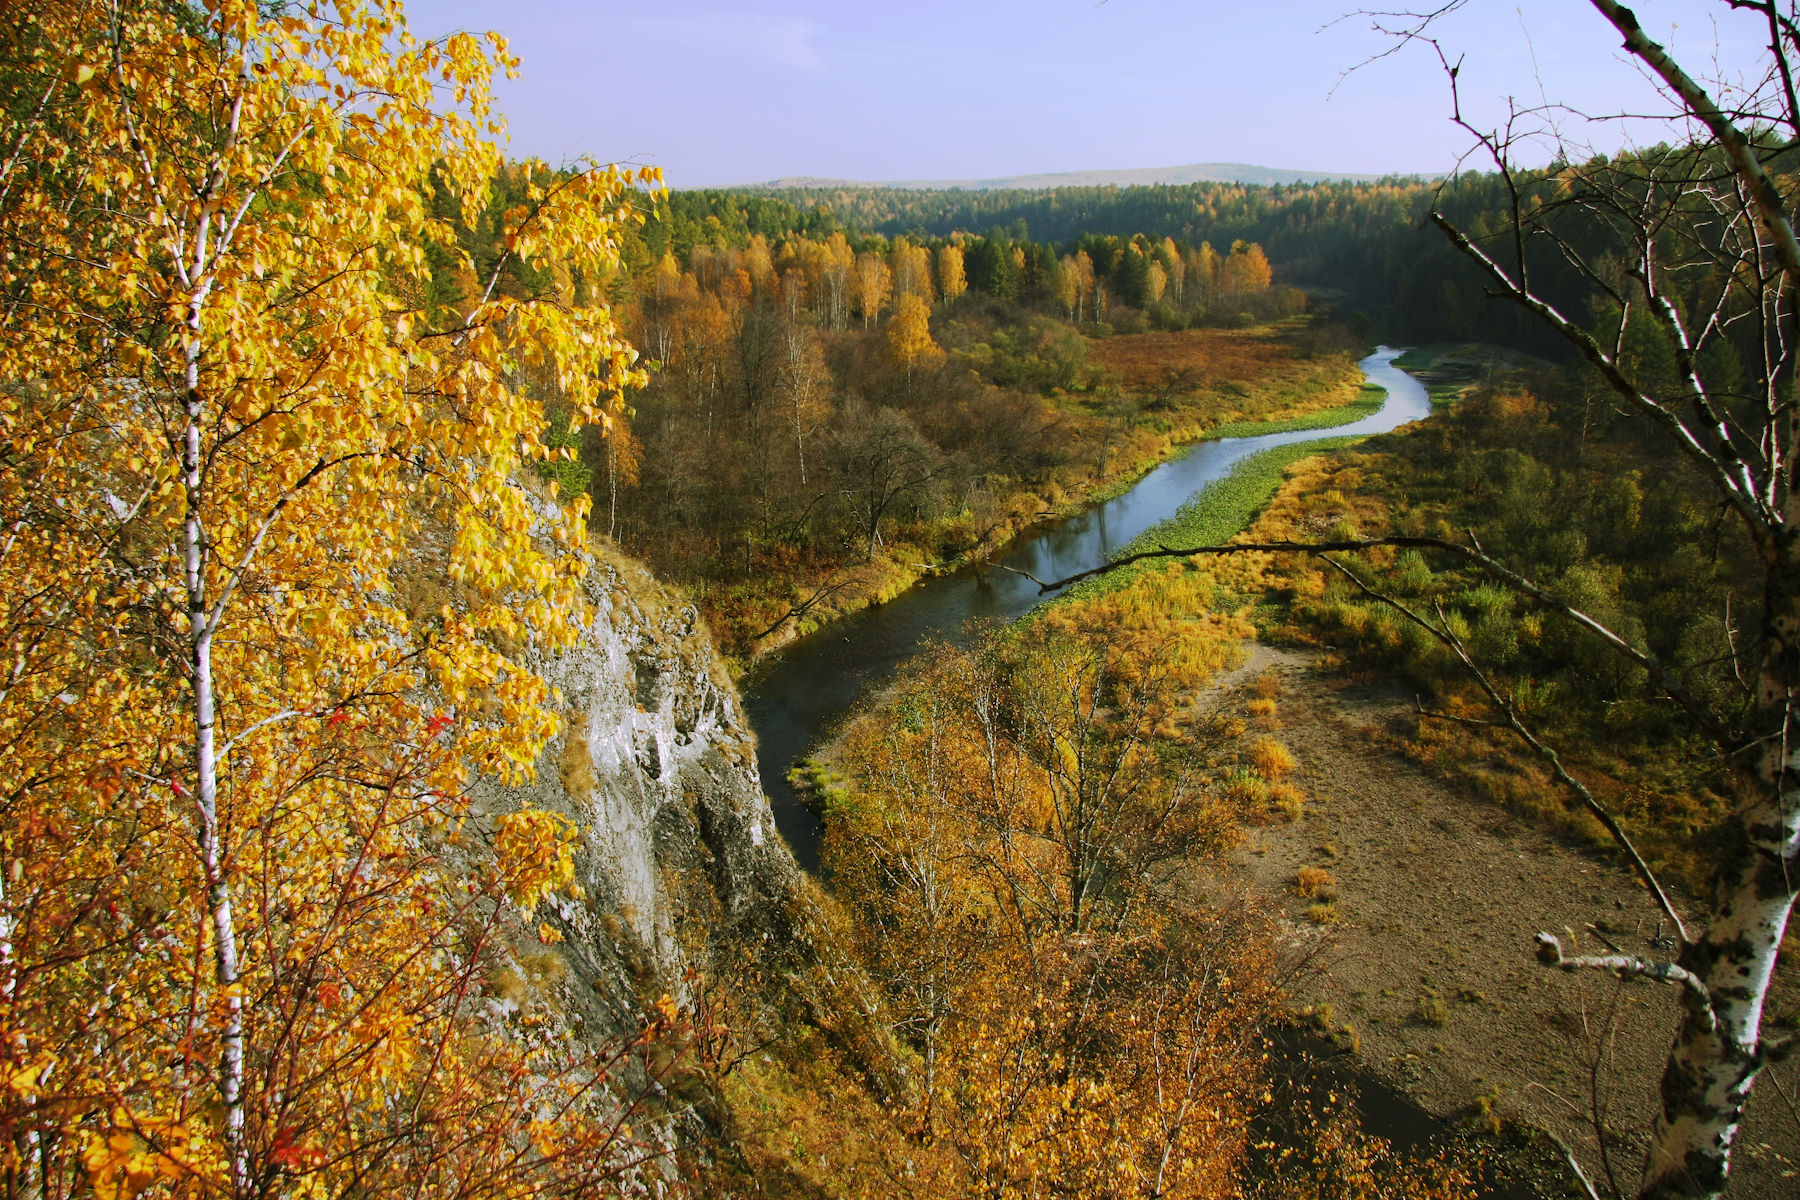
<point>827,415</point>
<point>1369,245</point>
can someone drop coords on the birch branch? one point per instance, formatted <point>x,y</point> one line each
<point>1550,953</point>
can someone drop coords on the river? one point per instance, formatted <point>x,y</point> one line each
<point>795,701</point>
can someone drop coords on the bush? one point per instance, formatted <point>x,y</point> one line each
<point>1312,881</point>
<point>1270,758</point>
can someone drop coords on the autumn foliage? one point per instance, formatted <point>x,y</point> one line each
<point>1027,835</point>
<point>246,910</point>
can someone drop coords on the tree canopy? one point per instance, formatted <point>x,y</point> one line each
<point>248,417</point>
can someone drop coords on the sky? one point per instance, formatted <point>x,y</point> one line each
<point>729,93</point>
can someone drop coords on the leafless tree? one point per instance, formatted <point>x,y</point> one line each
<point>1689,244</point>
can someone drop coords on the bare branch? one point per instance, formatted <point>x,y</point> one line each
<point>1699,102</point>
<point>1659,671</point>
<point>1550,953</point>
<point>1587,1185</point>
<point>1750,505</point>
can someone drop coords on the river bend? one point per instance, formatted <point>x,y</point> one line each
<point>797,699</point>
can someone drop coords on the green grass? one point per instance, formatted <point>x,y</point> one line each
<point>1225,507</point>
<point>1216,513</point>
<point>1367,403</point>
<point>1420,358</point>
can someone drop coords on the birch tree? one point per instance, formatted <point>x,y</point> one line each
<point>1691,245</point>
<point>1705,242</point>
<point>231,962</point>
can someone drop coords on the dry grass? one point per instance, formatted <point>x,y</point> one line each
<point>1313,881</point>
<point>1270,759</point>
<point>1287,800</point>
<point>576,768</point>
<point>1205,357</point>
<point>544,967</point>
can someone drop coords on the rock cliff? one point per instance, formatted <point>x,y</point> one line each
<point>679,857</point>
<point>688,892</point>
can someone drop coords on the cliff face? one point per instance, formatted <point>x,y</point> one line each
<point>689,893</point>
<point>679,858</point>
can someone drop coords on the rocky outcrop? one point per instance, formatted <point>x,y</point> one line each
<point>687,892</point>
<point>680,861</point>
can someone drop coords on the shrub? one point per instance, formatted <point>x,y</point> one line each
<point>1287,800</point>
<point>1432,1009</point>
<point>1312,881</point>
<point>1270,758</point>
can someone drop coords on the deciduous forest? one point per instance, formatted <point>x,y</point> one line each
<point>392,532</point>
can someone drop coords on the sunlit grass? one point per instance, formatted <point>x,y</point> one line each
<point>1367,403</point>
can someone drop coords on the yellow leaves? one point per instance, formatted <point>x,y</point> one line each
<point>535,853</point>
<point>353,447</point>
<point>138,1152</point>
<point>909,333</point>
<point>25,1078</point>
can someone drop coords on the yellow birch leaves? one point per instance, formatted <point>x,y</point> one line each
<point>229,232</point>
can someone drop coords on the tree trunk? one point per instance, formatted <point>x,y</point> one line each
<point>1718,1048</point>
<point>206,783</point>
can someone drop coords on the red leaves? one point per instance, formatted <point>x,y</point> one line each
<point>289,1155</point>
<point>437,725</point>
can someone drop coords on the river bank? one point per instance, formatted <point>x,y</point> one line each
<point>1426,964</point>
<point>1295,396</point>
<point>796,698</point>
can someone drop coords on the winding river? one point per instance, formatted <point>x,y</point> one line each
<point>796,700</point>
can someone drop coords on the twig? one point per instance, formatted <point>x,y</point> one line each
<point>828,588</point>
<point>1587,1185</point>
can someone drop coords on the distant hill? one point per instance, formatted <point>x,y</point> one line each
<point>1125,177</point>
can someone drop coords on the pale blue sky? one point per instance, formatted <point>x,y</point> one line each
<point>721,93</point>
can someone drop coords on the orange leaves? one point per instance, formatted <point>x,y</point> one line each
<point>290,1154</point>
